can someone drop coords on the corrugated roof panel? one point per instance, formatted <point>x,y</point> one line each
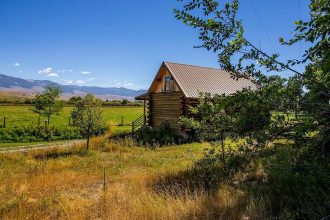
<point>195,79</point>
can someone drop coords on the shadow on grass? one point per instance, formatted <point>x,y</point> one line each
<point>277,183</point>
<point>184,183</point>
<point>59,153</point>
<point>213,200</point>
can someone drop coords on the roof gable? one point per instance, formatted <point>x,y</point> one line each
<point>195,79</point>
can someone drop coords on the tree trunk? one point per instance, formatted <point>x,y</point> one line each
<point>87,144</point>
<point>222,146</point>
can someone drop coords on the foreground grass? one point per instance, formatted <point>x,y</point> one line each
<point>120,181</point>
<point>72,185</point>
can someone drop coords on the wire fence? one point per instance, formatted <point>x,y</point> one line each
<point>8,122</point>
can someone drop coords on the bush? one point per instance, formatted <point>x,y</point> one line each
<point>154,137</point>
<point>33,133</point>
<point>287,181</point>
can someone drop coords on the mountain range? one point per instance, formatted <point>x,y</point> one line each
<point>15,85</point>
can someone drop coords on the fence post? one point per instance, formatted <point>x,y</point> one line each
<point>4,121</point>
<point>104,180</point>
<point>122,120</point>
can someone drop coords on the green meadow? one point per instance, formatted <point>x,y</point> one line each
<point>120,119</point>
<point>23,116</point>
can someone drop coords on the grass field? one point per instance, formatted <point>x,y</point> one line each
<point>117,180</point>
<point>72,186</point>
<point>17,116</point>
<point>22,116</point>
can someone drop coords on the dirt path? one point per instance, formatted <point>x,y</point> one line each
<point>39,146</point>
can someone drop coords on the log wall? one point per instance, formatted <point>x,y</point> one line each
<point>166,107</point>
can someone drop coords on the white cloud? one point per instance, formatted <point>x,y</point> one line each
<point>79,82</point>
<point>90,79</point>
<point>85,72</point>
<point>68,81</point>
<point>128,84</point>
<point>70,70</point>
<point>45,71</point>
<point>48,72</point>
<point>121,83</point>
<point>52,75</point>
<point>16,64</point>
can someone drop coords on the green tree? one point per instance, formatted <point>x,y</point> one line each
<point>222,32</point>
<point>47,103</point>
<point>260,113</point>
<point>124,102</point>
<point>293,96</point>
<point>74,99</point>
<point>37,106</point>
<point>87,115</point>
<point>214,121</point>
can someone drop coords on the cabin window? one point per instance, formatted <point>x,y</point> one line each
<point>169,83</point>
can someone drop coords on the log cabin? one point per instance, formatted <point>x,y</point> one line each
<point>178,86</point>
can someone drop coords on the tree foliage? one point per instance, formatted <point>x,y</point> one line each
<point>48,103</point>
<point>305,93</point>
<point>74,99</point>
<point>296,109</point>
<point>87,115</point>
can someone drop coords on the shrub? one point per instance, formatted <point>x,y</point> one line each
<point>34,133</point>
<point>154,137</point>
<point>285,180</point>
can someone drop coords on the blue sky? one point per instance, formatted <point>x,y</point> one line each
<point>122,43</point>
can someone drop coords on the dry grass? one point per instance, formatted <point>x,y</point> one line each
<point>69,184</point>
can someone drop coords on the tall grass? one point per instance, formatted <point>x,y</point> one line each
<point>117,180</point>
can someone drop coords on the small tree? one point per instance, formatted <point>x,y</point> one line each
<point>74,99</point>
<point>87,115</point>
<point>124,102</point>
<point>47,103</point>
<point>214,121</point>
<point>37,106</point>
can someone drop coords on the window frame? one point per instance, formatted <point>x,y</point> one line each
<point>168,84</point>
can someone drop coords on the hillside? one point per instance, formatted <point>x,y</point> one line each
<point>15,86</point>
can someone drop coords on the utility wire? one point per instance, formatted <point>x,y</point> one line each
<point>262,24</point>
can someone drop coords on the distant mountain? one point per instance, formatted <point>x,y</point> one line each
<point>14,84</point>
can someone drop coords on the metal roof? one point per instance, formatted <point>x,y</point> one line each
<point>195,79</point>
<point>144,96</point>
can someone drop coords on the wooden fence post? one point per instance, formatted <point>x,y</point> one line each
<point>122,120</point>
<point>4,121</point>
<point>104,180</point>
